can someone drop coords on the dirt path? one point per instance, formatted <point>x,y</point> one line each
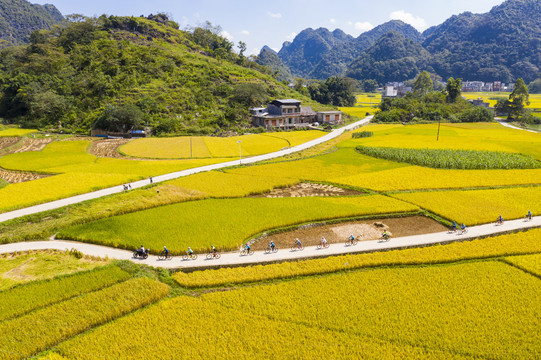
<point>363,230</point>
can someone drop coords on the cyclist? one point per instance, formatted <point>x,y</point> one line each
<point>500,220</point>
<point>323,241</point>
<point>272,246</point>
<point>453,226</point>
<point>463,227</point>
<point>166,251</point>
<point>351,237</point>
<point>385,235</point>
<point>529,216</point>
<point>247,247</point>
<point>189,251</point>
<point>214,250</point>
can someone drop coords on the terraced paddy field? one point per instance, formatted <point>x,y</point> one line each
<point>465,300</point>
<point>216,147</point>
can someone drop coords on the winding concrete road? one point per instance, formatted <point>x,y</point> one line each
<point>506,124</point>
<point>233,258</point>
<point>166,177</point>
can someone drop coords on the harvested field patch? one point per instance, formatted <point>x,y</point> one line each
<point>108,148</point>
<point>15,177</point>
<point>309,189</point>
<point>30,144</point>
<point>363,230</point>
<point>6,142</point>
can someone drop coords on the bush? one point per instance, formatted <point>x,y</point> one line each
<point>477,114</point>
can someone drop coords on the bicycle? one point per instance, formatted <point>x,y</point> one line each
<point>245,252</point>
<point>385,237</point>
<point>213,255</point>
<point>351,242</point>
<point>499,222</point>
<point>462,231</point>
<point>192,256</point>
<point>322,245</point>
<point>296,247</point>
<point>528,217</point>
<point>270,249</point>
<point>165,256</point>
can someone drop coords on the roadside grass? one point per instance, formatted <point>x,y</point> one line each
<point>474,207</point>
<point>224,223</point>
<point>23,267</point>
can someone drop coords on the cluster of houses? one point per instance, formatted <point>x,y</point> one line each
<point>479,86</point>
<point>289,114</point>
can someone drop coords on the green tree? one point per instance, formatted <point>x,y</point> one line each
<point>121,118</point>
<point>518,99</point>
<point>337,91</point>
<point>370,85</point>
<point>453,89</point>
<point>535,86</point>
<point>423,84</point>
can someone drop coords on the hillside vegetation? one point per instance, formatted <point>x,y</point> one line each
<point>19,18</point>
<point>130,73</point>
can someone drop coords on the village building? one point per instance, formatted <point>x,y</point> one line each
<point>289,114</point>
<point>395,90</point>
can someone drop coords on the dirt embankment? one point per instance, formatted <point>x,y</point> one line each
<point>6,142</point>
<point>363,230</point>
<point>31,144</point>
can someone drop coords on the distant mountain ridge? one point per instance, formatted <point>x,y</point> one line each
<point>19,18</point>
<point>503,44</point>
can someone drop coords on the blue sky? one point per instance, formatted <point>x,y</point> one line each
<point>259,23</point>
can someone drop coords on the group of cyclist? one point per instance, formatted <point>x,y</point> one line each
<point>324,242</point>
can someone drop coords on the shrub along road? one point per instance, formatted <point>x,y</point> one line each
<point>233,258</point>
<point>166,177</point>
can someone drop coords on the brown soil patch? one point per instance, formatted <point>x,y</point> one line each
<point>109,148</point>
<point>30,144</point>
<point>308,189</point>
<point>15,177</point>
<point>6,142</point>
<point>363,230</point>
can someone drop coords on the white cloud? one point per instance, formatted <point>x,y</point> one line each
<point>275,15</point>
<point>227,35</point>
<point>415,21</point>
<point>245,32</point>
<point>363,26</point>
<point>350,23</point>
<point>332,21</point>
<point>291,36</point>
<point>255,51</point>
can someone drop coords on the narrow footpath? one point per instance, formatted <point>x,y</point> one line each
<point>234,258</point>
<point>166,177</point>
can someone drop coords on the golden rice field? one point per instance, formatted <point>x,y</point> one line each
<point>504,245</point>
<point>371,99</point>
<point>459,311</point>
<point>488,136</point>
<point>535,99</point>
<point>32,266</point>
<point>453,308</point>
<point>7,132</point>
<point>78,172</point>
<point>474,207</point>
<point>529,263</point>
<point>223,184</point>
<point>233,221</point>
<point>36,331</point>
<point>216,147</point>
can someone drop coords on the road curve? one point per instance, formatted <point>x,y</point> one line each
<point>234,259</point>
<point>166,177</point>
<point>506,124</point>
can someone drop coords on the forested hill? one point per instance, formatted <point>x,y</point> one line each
<point>503,44</point>
<point>19,18</point>
<point>126,72</point>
